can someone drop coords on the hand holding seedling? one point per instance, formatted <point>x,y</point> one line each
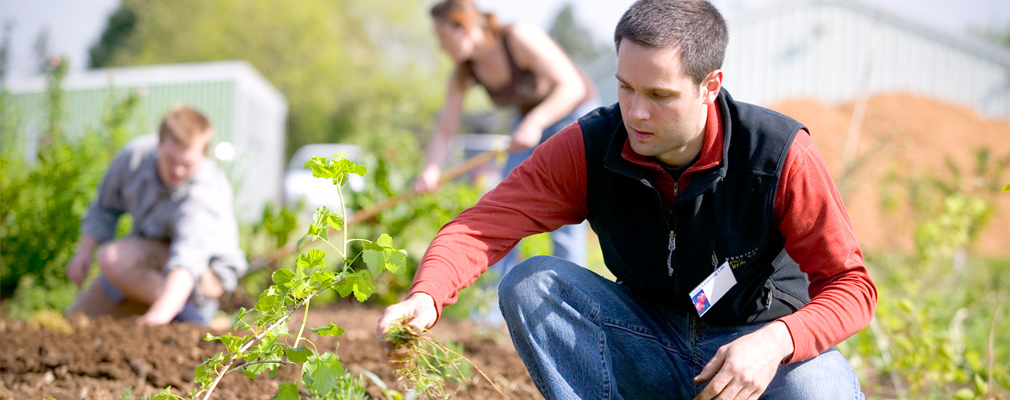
<point>417,311</point>
<point>743,368</point>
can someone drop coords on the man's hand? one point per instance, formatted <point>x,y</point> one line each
<point>743,368</point>
<point>80,264</point>
<point>78,267</point>
<point>171,299</point>
<point>418,311</point>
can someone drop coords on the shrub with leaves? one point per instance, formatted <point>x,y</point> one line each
<point>269,343</point>
<point>45,194</point>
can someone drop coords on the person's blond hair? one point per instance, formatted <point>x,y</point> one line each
<point>185,125</point>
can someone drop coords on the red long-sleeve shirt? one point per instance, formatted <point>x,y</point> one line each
<point>549,190</point>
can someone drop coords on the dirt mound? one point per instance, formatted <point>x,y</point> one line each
<point>99,358</point>
<point>905,137</point>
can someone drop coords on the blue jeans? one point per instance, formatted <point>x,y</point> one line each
<point>584,337</point>
<point>569,240</point>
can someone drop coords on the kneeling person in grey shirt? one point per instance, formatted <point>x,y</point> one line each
<point>183,252</point>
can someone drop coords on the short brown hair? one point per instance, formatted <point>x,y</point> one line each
<point>694,27</point>
<point>184,125</point>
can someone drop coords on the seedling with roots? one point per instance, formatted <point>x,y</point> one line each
<point>426,364</point>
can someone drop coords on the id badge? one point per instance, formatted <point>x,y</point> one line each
<point>706,294</point>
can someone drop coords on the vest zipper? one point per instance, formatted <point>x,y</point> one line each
<point>673,234</point>
<point>672,247</point>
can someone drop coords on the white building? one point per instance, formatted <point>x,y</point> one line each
<point>248,114</point>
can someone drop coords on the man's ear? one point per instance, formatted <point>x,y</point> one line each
<point>711,86</point>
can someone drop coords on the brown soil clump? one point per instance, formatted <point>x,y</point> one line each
<point>906,137</point>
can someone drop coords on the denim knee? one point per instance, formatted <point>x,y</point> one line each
<point>827,376</point>
<point>521,283</point>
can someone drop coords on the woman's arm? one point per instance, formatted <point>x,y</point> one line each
<point>534,50</point>
<point>437,151</point>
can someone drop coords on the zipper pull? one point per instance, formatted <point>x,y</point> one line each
<point>672,246</point>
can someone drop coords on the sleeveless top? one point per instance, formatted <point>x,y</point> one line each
<point>524,90</point>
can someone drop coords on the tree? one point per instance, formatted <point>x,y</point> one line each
<point>121,24</point>
<point>351,71</point>
<point>575,39</point>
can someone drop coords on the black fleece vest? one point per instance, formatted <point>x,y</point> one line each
<point>725,214</point>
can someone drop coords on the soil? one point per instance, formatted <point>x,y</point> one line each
<point>904,137</point>
<point>82,358</point>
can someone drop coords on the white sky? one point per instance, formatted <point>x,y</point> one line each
<point>74,25</point>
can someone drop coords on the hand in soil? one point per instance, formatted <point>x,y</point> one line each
<point>417,311</point>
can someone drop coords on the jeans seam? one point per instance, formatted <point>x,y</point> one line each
<point>643,335</point>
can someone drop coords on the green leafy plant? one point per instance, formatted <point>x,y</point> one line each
<point>44,193</point>
<point>268,344</point>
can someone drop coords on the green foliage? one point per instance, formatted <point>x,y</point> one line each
<point>350,69</point>
<point>933,328</point>
<point>45,196</point>
<point>266,347</point>
<point>120,26</point>
<point>941,322</point>
<point>954,227</point>
<point>415,222</point>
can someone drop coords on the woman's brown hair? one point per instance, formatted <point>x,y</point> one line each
<point>465,13</point>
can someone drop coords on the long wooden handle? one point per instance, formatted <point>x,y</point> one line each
<point>370,212</point>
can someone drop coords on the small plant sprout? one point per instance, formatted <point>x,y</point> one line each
<point>426,364</point>
<point>269,343</point>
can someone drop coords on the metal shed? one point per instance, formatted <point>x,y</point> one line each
<point>248,113</point>
<point>839,50</point>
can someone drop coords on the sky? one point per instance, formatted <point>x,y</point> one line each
<point>75,25</point>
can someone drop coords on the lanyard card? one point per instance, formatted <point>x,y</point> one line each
<point>706,294</point>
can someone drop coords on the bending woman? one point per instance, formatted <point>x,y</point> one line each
<point>521,67</point>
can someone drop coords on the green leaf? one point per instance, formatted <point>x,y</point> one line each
<point>323,278</point>
<point>360,283</point>
<point>319,167</point>
<point>166,395</point>
<point>981,386</point>
<point>1006,188</point>
<point>329,330</point>
<point>964,394</point>
<point>323,218</point>
<point>381,255</point>
<point>320,373</point>
<point>311,259</point>
<point>287,391</point>
<point>282,276</point>
<point>297,354</point>
<point>270,299</point>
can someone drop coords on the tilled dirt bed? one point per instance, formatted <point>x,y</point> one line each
<point>100,358</point>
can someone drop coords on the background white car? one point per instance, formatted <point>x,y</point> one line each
<point>300,185</point>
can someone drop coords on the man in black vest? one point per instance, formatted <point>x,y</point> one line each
<point>737,267</point>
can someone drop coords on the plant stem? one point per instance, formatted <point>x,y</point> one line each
<point>340,197</point>
<point>257,338</point>
<point>305,319</point>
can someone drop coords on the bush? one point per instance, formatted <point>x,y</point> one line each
<point>44,197</point>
